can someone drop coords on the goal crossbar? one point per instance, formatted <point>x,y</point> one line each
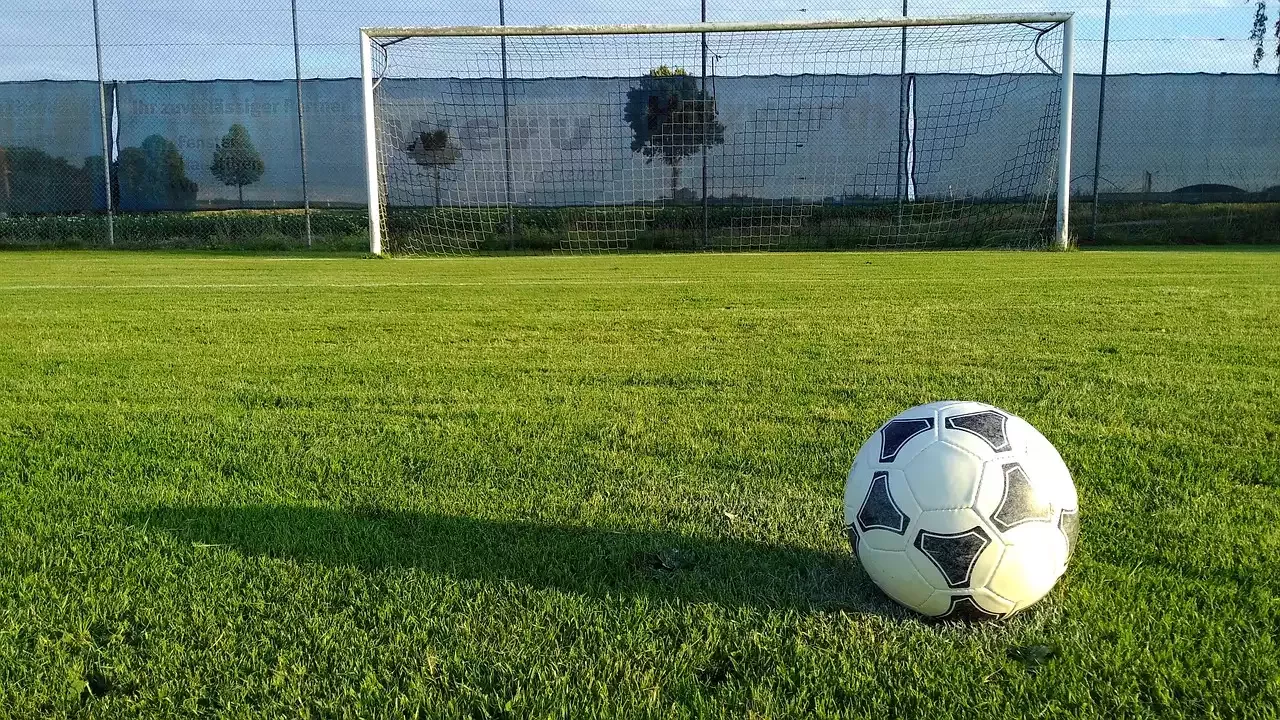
<point>713,27</point>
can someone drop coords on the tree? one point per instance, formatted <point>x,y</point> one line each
<point>434,149</point>
<point>236,160</point>
<point>1258,34</point>
<point>5,191</point>
<point>33,181</point>
<point>671,119</point>
<point>153,176</point>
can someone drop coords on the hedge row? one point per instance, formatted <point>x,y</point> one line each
<point>667,228</point>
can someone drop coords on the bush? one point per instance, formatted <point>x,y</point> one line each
<point>671,228</point>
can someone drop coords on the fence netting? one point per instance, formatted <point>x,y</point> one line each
<point>207,145</point>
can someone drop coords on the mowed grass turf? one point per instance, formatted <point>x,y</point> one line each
<point>611,486</point>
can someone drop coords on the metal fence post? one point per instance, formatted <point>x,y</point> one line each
<point>506,131</point>
<point>1102,102</point>
<point>706,220</point>
<point>106,138</point>
<point>302,132</point>
<point>900,191</point>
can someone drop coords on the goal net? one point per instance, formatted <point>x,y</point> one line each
<point>906,133</point>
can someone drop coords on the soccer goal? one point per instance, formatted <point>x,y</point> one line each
<point>903,132</point>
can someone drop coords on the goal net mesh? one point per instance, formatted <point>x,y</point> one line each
<point>923,137</point>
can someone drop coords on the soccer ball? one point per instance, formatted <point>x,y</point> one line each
<point>961,510</point>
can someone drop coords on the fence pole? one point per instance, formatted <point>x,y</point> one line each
<point>902,124</point>
<point>106,138</point>
<point>302,132</point>
<point>706,229</point>
<point>1102,102</point>
<point>506,130</point>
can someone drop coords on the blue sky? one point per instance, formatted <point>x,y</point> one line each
<point>187,39</point>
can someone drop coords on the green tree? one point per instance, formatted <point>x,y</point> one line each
<point>434,149</point>
<point>33,181</point>
<point>671,119</point>
<point>236,160</point>
<point>1258,34</point>
<point>6,190</point>
<point>153,176</point>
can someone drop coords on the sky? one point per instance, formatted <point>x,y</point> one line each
<point>252,39</point>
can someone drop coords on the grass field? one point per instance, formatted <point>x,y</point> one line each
<point>577,487</point>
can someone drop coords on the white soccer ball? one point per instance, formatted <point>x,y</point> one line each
<point>961,510</point>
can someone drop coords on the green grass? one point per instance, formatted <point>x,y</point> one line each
<point>610,486</point>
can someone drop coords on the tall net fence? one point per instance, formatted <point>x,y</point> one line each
<point>215,137</point>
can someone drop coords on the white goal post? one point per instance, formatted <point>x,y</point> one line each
<point>458,193</point>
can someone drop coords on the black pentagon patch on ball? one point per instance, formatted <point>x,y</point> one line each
<point>853,539</point>
<point>954,555</point>
<point>896,434</point>
<point>1069,524</point>
<point>1019,503</point>
<point>879,510</point>
<point>965,609</point>
<point>987,424</point>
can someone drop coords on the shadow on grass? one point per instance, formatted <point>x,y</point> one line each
<point>589,561</point>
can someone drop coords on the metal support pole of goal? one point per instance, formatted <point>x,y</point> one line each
<point>106,138</point>
<point>370,144</point>
<point>1063,235</point>
<point>302,131</point>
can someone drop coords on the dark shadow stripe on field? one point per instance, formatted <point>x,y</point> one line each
<point>590,561</point>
